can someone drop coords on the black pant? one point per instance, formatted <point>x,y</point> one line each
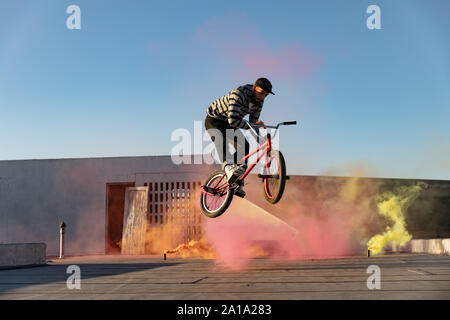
<point>236,141</point>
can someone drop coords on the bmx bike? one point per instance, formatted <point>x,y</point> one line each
<point>217,193</point>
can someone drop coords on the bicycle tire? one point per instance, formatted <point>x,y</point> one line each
<point>273,194</point>
<point>224,205</point>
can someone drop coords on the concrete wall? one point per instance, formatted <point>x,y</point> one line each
<point>36,195</point>
<point>22,254</point>
<point>433,246</point>
<point>429,246</point>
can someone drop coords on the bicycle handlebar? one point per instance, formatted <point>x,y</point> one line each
<point>253,125</point>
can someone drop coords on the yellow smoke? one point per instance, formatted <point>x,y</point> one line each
<point>393,205</point>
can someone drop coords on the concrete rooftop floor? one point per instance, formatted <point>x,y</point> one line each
<point>403,276</point>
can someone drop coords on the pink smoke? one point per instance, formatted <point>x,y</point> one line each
<point>329,223</point>
<point>243,46</point>
<point>233,238</point>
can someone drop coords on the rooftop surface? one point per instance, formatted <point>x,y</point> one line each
<point>402,276</point>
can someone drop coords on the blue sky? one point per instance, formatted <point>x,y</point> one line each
<point>377,101</point>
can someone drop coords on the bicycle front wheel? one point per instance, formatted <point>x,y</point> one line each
<point>217,199</point>
<point>275,177</point>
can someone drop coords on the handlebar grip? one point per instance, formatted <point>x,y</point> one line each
<point>289,123</point>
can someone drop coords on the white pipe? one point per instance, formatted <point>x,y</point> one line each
<point>62,228</point>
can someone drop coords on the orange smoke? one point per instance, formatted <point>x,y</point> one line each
<point>194,249</point>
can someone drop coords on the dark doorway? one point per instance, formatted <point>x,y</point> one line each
<point>115,204</point>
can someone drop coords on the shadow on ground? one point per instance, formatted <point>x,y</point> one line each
<point>12,279</point>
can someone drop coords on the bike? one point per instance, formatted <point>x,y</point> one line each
<point>217,193</point>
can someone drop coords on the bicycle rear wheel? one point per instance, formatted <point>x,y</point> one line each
<point>274,183</point>
<point>217,199</point>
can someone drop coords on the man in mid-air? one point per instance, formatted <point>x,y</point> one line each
<point>227,113</point>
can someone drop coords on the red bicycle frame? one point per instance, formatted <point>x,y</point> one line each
<point>266,147</point>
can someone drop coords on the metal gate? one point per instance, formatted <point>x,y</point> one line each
<point>173,204</point>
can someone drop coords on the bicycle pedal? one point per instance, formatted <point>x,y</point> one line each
<point>208,189</point>
<point>240,193</point>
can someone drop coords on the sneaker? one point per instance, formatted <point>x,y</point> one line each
<point>234,171</point>
<point>229,170</point>
<point>240,170</point>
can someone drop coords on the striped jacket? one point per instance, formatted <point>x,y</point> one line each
<point>235,105</point>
